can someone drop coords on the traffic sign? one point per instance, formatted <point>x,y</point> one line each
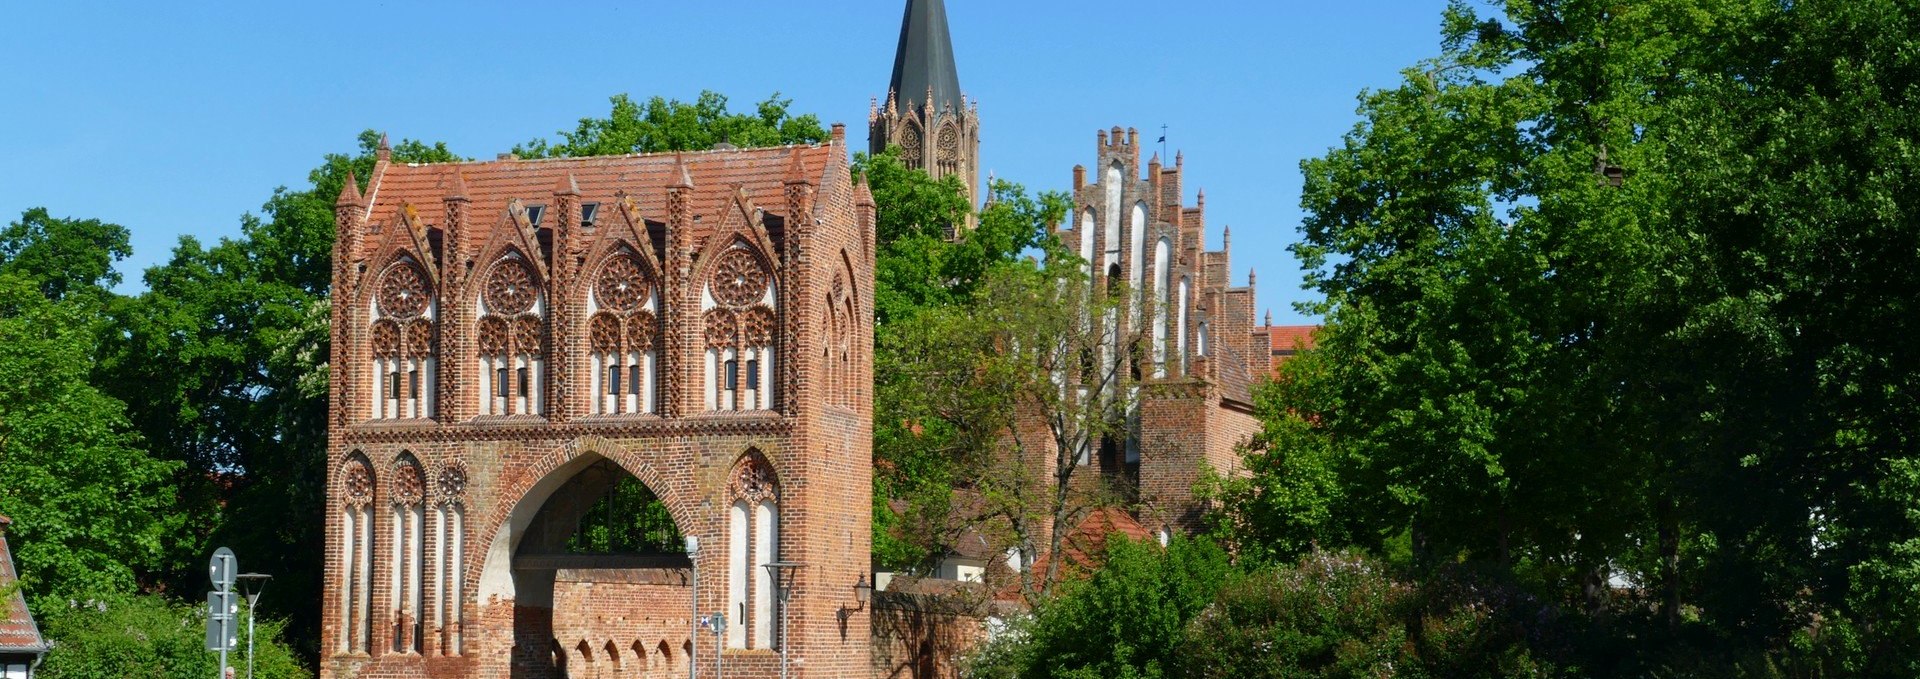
<point>223,614</point>
<point>222,567</point>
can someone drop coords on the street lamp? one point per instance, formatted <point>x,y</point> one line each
<point>782,574</point>
<point>251,584</point>
<point>862,591</point>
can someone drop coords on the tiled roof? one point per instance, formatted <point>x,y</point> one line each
<point>1086,547</point>
<point>1236,378</point>
<point>18,633</point>
<point>490,185</point>
<point>1286,340</point>
<point>1290,338</point>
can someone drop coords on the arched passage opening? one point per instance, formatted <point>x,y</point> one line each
<point>597,563</point>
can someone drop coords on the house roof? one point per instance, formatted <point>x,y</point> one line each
<point>18,633</point>
<point>1285,341</point>
<point>715,176</point>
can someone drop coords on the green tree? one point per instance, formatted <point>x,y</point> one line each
<point>1128,620</point>
<point>1626,289</point>
<point>148,636</point>
<point>222,363</point>
<point>92,512</point>
<point>663,124</point>
<point>64,256</point>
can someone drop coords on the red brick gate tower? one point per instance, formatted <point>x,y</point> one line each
<point>546,372</point>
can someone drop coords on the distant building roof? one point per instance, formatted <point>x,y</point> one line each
<point>18,633</point>
<point>1286,341</point>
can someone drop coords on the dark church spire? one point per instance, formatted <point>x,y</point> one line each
<point>925,58</point>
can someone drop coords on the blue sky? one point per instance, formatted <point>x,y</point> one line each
<point>177,118</point>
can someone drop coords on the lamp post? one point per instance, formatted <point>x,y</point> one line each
<point>782,574</point>
<point>252,584</point>
<point>693,638</point>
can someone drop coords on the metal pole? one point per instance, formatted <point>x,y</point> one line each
<point>249,640</point>
<point>693,622</point>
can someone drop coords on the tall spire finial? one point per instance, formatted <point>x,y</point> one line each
<point>350,193</point>
<point>924,60</point>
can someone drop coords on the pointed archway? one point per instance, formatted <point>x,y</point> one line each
<point>596,561</point>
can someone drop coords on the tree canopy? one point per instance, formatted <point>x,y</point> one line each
<point>1617,297</point>
<point>663,124</point>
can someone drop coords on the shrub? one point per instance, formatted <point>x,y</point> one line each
<point>150,636</point>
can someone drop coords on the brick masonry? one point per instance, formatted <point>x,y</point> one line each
<point>398,483</point>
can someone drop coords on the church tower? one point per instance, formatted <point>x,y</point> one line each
<point>925,113</point>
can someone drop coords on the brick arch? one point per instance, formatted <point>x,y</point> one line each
<point>492,261</point>
<point>603,256</point>
<point>388,258</point>
<point>552,469</point>
<point>710,258</point>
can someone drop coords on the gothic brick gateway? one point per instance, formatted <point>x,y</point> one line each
<point>514,339</point>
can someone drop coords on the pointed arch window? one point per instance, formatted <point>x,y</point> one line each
<point>511,333</point>
<point>753,532</point>
<point>1164,309</point>
<point>408,551</point>
<point>356,556</point>
<point>622,337</point>
<point>449,558</point>
<point>738,310</point>
<point>403,337</point>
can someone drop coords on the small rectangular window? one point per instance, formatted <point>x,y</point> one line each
<point>613,379</point>
<point>733,375</point>
<point>500,382</point>
<point>525,384</point>
<point>753,373</point>
<point>587,212</point>
<point>413,379</point>
<point>633,379</point>
<point>393,385</point>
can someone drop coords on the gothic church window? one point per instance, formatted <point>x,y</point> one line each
<point>449,541</point>
<point>511,334</point>
<point>402,338</point>
<point>404,589</point>
<point>356,556</point>
<point>753,532</point>
<point>621,337</point>
<point>739,325</point>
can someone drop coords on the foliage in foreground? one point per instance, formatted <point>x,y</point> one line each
<point>146,636</point>
<point>1619,298</point>
<point>1185,612</point>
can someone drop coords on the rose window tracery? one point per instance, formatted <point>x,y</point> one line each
<point>739,280</point>
<point>622,286</point>
<point>949,144</point>
<point>526,335</point>
<point>910,142</point>
<point>419,340</point>
<point>756,326</point>
<point>640,329</point>
<point>493,336</point>
<point>511,289</point>
<point>358,484</point>
<point>721,330</point>
<point>403,293</point>
<point>621,335</point>
<point>604,334</point>
<point>754,482</point>
<point>386,339</point>
<point>453,482</point>
<point>408,487</point>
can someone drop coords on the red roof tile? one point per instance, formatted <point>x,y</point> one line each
<point>490,185</point>
<point>18,633</point>
<point>1286,340</point>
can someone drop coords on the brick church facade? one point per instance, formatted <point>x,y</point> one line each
<point>515,340</point>
<point>1194,404</point>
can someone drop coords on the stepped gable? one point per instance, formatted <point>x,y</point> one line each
<point>492,184</point>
